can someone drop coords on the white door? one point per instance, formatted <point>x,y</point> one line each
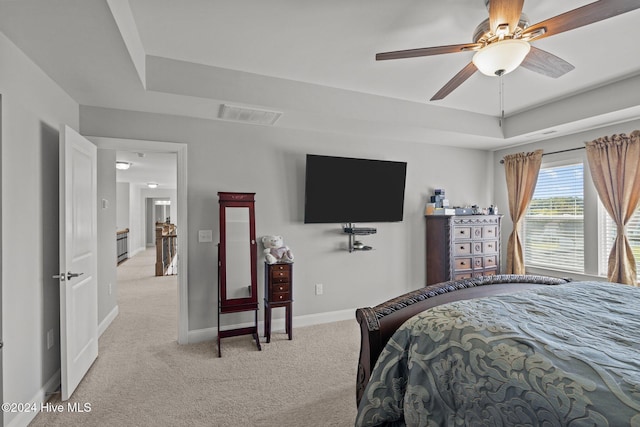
<point>78,263</point>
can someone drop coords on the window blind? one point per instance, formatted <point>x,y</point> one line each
<point>554,222</point>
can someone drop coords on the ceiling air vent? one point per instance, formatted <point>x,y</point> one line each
<point>248,115</point>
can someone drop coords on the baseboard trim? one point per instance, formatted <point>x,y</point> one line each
<point>319,318</point>
<point>24,418</point>
<point>277,325</point>
<point>106,322</point>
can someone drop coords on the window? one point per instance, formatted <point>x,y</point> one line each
<point>608,234</point>
<point>554,222</point>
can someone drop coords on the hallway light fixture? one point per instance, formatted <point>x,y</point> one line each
<point>152,184</point>
<point>123,166</point>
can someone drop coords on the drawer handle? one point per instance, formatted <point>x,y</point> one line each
<point>462,263</point>
<point>461,247</point>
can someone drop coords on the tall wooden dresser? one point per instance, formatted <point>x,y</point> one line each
<point>462,246</point>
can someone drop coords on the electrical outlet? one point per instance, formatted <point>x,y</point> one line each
<point>319,289</point>
<point>49,339</point>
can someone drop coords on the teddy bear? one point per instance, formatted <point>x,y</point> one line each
<point>275,250</point>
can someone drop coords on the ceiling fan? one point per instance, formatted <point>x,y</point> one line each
<point>502,42</point>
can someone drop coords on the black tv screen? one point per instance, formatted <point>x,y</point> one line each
<point>349,190</point>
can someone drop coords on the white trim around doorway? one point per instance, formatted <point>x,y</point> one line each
<point>180,149</point>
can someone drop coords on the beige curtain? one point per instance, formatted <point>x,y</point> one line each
<point>521,171</point>
<point>615,168</point>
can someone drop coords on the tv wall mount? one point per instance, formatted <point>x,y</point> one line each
<point>353,231</point>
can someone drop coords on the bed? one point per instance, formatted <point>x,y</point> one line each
<point>502,350</point>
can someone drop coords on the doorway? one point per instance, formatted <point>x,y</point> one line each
<point>179,212</point>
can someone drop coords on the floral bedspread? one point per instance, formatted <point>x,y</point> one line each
<point>564,355</point>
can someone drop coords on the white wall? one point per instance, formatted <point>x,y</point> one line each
<point>552,145</point>
<point>34,107</point>
<point>136,220</point>
<point>122,206</point>
<point>226,156</point>
<point>107,250</point>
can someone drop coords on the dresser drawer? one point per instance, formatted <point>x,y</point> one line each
<point>462,248</point>
<point>490,231</point>
<point>490,247</point>
<point>280,296</point>
<point>280,287</point>
<point>490,261</point>
<point>461,233</point>
<point>462,264</point>
<point>280,275</point>
<point>460,276</point>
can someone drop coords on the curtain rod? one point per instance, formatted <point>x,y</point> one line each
<point>556,152</point>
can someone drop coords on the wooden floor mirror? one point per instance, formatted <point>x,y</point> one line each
<point>237,262</point>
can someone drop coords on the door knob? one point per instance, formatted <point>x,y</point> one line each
<point>68,276</point>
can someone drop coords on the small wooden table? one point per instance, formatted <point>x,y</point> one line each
<point>278,292</point>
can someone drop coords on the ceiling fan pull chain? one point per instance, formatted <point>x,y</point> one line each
<point>501,91</point>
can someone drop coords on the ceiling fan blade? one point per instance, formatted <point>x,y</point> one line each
<point>545,63</point>
<point>585,15</point>
<point>504,12</point>
<point>456,81</point>
<point>427,51</point>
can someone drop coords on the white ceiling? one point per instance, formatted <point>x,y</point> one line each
<point>314,61</point>
<point>148,167</point>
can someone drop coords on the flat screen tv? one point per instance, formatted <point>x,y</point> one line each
<point>349,190</point>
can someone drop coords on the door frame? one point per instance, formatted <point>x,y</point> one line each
<point>180,149</point>
<point>1,285</point>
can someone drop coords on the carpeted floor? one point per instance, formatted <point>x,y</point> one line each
<point>142,377</point>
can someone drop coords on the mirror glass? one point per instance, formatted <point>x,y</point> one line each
<point>238,252</point>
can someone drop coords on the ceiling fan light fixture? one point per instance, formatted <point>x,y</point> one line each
<point>501,57</point>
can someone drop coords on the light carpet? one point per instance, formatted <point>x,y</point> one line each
<point>142,377</point>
